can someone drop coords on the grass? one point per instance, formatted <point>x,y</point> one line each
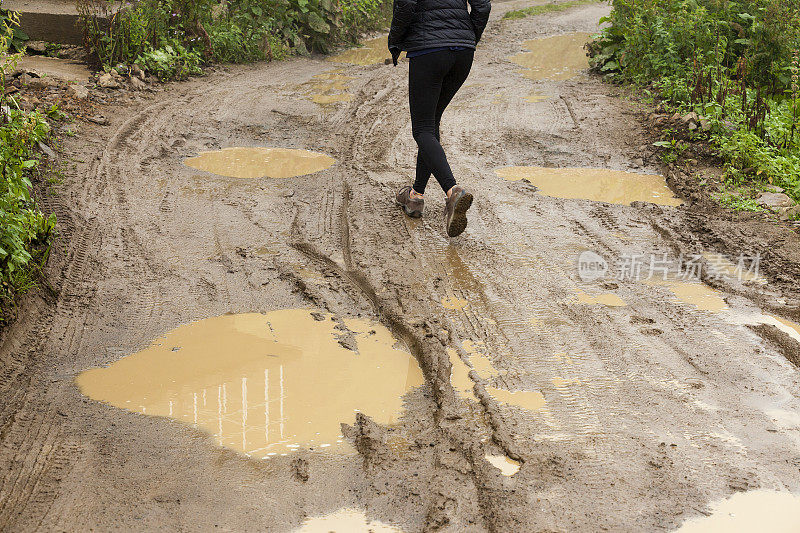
<point>552,7</point>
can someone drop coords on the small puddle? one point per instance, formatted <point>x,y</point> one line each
<point>507,466</point>
<point>607,299</point>
<point>329,88</point>
<point>260,162</point>
<point>346,520</point>
<point>374,51</point>
<point>790,328</point>
<point>699,295</point>
<point>454,304</point>
<point>459,376</point>
<point>746,512</point>
<point>556,58</point>
<point>264,384</point>
<point>531,400</point>
<point>599,185</point>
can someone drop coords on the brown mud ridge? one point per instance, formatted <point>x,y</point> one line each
<point>559,394</point>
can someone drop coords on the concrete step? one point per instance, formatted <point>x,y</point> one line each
<point>54,21</point>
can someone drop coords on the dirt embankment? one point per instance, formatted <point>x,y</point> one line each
<point>627,404</point>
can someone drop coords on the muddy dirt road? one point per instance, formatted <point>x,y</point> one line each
<point>543,400</point>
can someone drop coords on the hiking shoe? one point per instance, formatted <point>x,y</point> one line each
<point>455,211</point>
<point>412,207</point>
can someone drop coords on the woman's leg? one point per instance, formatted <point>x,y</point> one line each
<point>425,81</point>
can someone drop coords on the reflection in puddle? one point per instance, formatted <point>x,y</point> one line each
<point>746,512</point>
<point>346,521</point>
<point>454,304</point>
<point>718,264</point>
<point>374,51</point>
<point>507,466</point>
<point>531,400</point>
<point>329,88</point>
<point>600,185</point>
<point>699,295</point>
<point>260,162</point>
<point>556,58</point>
<point>264,383</point>
<point>608,299</point>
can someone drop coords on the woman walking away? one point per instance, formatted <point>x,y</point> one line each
<point>439,37</point>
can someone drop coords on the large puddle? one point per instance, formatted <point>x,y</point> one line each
<point>374,51</point>
<point>264,384</point>
<point>556,58</point>
<point>747,512</point>
<point>599,185</point>
<point>346,520</point>
<point>260,162</point>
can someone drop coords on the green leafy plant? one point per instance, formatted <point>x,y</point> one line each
<point>15,38</point>
<point>733,62</point>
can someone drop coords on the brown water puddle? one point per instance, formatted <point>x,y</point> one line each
<point>599,185</point>
<point>346,520</point>
<point>607,299</point>
<point>556,58</point>
<point>374,51</point>
<point>699,295</point>
<point>507,466</point>
<point>530,400</point>
<point>536,97</point>
<point>260,162</point>
<point>747,512</point>
<point>329,88</point>
<point>264,384</point>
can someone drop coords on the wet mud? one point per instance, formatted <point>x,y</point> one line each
<point>634,417</point>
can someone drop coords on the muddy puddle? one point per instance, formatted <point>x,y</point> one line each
<point>697,294</point>
<point>260,162</point>
<point>454,303</point>
<point>608,299</point>
<point>747,512</point>
<point>346,520</point>
<point>328,88</point>
<point>788,327</point>
<point>374,51</point>
<point>264,384</point>
<point>507,466</point>
<point>599,185</point>
<point>556,58</point>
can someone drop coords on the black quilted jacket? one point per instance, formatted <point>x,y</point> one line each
<point>420,24</point>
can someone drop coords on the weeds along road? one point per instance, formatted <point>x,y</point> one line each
<point>626,407</point>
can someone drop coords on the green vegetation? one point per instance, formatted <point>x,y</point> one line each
<point>547,8</point>
<point>24,230</point>
<point>735,63</point>
<point>174,38</point>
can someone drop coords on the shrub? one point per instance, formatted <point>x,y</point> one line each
<point>735,62</point>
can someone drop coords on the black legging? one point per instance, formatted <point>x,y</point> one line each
<point>433,80</point>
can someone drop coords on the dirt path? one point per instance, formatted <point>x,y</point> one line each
<point>648,411</point>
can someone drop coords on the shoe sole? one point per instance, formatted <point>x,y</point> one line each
<point>409,212</point>
<point>458,223</point>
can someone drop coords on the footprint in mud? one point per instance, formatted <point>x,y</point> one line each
<point>260,162</point>
<point>264,384</point>
<point>599,185</point>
